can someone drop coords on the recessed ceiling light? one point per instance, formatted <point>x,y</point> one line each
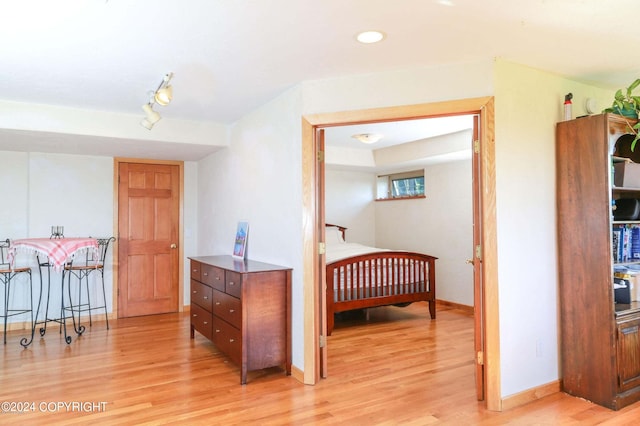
<point>370,37</point>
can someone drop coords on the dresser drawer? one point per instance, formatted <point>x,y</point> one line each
<point>228,339</point>
<point>201,320</point>
<point>202,295</point>
<point>213,276</point>
<point>233,283</point>
<point>228,308</point>
<point>196,267</point>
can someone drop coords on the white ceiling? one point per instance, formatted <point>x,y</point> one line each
<point>231,56</point>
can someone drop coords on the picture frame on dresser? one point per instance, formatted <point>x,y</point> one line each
<point>240,242</point>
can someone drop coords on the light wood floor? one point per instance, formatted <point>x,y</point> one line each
<point>397,367</point>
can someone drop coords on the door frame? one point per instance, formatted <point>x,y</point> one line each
<point>116,283</point>
<point>484,107</point>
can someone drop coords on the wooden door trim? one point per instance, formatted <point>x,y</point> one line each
<point>483,106</point>
<point>116,168</point>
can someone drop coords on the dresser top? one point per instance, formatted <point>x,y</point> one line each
<point>238,265</point>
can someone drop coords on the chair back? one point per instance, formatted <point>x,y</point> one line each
<point>103,248</point>
<point>91,259</point>
<point>4,254</point>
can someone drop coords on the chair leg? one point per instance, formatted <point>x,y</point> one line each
<point>77,326</point>
<point>42,267</point>
<point>6,307</point>
<point>104,298</point>
<point>88,299</point>
<point>24,341</point>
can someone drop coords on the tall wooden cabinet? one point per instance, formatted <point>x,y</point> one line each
<point>600,340</point>
<point>244,308</point>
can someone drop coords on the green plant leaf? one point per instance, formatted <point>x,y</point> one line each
<point>633,85</point>
<point>619,96</point>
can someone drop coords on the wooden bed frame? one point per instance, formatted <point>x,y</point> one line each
<point>380,279</point>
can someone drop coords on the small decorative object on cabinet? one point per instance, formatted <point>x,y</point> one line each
<point>244,308</point>
<point>600,339</point>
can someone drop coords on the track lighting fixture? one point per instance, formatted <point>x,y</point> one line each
<point>162,96</point>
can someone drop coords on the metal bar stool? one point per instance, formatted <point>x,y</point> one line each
<point>8,274</point>
<point>82,267</point>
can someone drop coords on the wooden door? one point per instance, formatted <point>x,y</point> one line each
<point>148,224</point>
<point>628,355</point>
<point>477,260</point>
<point>322,270</point>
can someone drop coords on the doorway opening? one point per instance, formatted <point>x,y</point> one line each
<point>486,329</point>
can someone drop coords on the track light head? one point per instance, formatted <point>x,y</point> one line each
<point>152,117</point>
<point>164,95</point>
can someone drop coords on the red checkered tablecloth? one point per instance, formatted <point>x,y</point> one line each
<point>58,250</point>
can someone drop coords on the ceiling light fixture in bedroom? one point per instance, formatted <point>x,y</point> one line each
<point>368,137</point>
<point>161,96</point>
<point>368,37</point>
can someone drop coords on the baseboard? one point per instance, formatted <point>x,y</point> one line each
<point>452,305</point>
<point>26,325</point>
<point>297,374</point>
<point>530,395</point>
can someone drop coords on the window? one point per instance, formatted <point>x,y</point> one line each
<point>401,185</point>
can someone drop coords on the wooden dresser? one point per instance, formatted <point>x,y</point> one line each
<point>244,308</point>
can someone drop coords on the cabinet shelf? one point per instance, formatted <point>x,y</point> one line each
<point>624,189</point>
<point>622,309</point>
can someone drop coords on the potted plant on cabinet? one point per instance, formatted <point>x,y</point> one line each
<point>626,104</point>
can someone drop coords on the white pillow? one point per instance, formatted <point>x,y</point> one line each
<point>333,235</point>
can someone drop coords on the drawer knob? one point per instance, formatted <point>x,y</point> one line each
<point>232,283</point>
<point>217,331</point>
<point>217,303</point>
<point>195,291</point>
<point>218,278</point>
<point>194,270</point>
<point>195,315</point>
<point>205,297</point>
<point>232,310</point>
<point>206,274</point>
<point>206,322</point>
<point>231,340</point>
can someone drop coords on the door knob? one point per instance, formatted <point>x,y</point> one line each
<point>470,261</point>
<point>173,246</point>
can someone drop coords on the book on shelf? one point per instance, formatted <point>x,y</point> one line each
<point>626,243</point>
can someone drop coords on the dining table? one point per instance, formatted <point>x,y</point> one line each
<point>52,255</point>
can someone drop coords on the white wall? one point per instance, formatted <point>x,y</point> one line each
<point>258,179</point>
<point>440,225</point>
<point>75,191</point>
<point>528,104</point>
<point>14,184</point>
<point>349,202</point>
